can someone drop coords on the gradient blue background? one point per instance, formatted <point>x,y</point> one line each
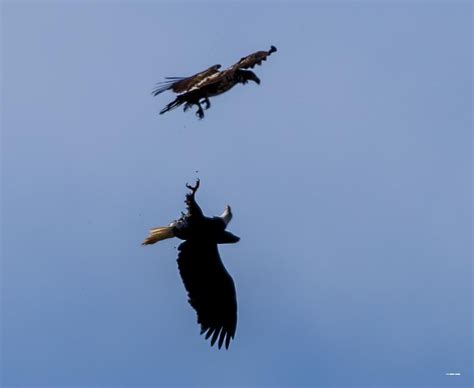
<point>348,170</point>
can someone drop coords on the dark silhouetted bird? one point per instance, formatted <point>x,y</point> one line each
<point>210,288</point>
<point>196,89</point>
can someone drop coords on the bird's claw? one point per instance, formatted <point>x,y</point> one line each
<point>200,113</point>
<point>207,102</point>
<point>195,187</point>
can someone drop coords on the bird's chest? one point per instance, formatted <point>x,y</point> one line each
<point>221,87</point>
<point>202,228</point>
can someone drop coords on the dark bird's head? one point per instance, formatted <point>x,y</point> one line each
<point>273,49</point>
<point>244,76</point>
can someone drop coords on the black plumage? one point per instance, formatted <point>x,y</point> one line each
<point>210,288</point>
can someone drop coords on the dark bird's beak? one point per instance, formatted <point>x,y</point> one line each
<point>227,238</point>
<point>253,77</point>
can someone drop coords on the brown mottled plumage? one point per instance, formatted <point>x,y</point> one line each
<point>198,88</point>
<point>183,84</point>
<point>254,59</point>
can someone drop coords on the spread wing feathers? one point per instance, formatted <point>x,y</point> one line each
<point>254,59</point>
<point>183,84</point>
<point>210,288</point>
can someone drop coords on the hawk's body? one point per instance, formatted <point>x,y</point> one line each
<point>211,82</point>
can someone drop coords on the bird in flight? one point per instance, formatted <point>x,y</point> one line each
<point>196,89</point>
<point>210,288</point>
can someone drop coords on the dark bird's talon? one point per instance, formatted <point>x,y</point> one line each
<point>200,112</point>
<point>207,102</point>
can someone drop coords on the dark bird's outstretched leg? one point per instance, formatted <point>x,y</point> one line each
<point>200,111</point>
<point>193,207</point>
<point>207,102</point>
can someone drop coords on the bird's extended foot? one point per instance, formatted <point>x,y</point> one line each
<point>208,103</point>
<point>200,113</point>
<point>195,187</point>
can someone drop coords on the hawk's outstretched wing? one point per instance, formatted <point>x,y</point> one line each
<point>210,288</point>
<point>254,59</point>
<point>183,84</point>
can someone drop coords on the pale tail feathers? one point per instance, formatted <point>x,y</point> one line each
<point>159,234</point>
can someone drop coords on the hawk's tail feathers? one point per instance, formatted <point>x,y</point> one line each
<point>172,105</point>
<point>159,234</point>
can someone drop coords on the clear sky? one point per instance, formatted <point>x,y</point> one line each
<point>348,170</point>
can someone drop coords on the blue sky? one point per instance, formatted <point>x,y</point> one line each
<point>348,170</point>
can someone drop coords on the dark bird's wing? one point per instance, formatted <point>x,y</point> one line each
<point>254,59</point>
<point>210,82</point>
<point>212,85</point>
<point>183,84</point>
<point>210,288</point>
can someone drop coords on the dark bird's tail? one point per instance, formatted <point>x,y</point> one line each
<point>172,105</point>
